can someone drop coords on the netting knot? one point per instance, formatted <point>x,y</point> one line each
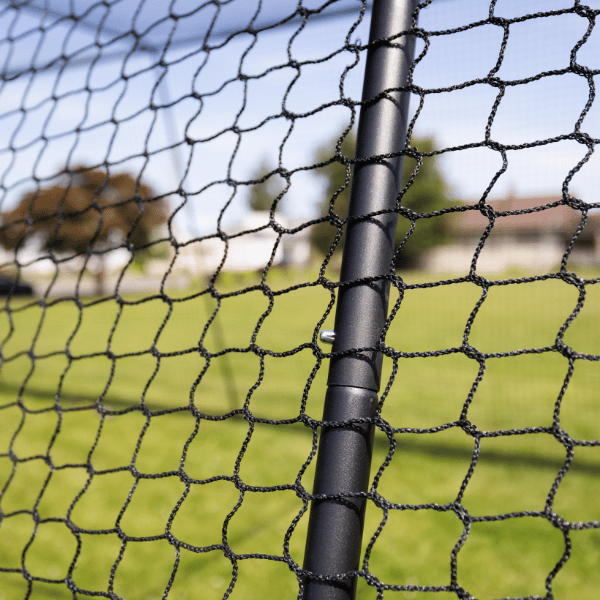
<point>74,528</point>
<point>487,211</point>
<point>500,21</point>
<point>493,145</point>
<point>576,204</point>
<point>555,519</point>
<point>407,212</point>
<point>583,138</point>
<point>478,280</point>
<point>584,11</point>
<point>572,279</point>
<point>461,512</point>
<point>565,349</point>
<point>495,82</point>
<point>562,436</point>
<point>578,69</point>
<point>276,227</point>
<point>469,428</point>
<point>384,348</point>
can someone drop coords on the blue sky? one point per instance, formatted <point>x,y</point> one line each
<point>535,111</point>
<point>530,112</point>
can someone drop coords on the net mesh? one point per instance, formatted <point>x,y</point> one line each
<point>161,392</point>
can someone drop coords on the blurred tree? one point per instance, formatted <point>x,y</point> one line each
<point>427,193</point>
<point>262,195</point>
<point>92,210</point>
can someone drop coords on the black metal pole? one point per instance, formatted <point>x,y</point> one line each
<point>344,458</point>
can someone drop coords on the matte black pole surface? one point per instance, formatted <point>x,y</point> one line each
<point>344,457</point>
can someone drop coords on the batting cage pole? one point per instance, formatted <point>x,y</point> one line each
<point>335,528</point>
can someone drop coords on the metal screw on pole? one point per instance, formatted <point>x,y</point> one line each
<point>344,456</point>
<point>327,336</point>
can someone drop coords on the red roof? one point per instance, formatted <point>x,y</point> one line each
<point>557,219</point>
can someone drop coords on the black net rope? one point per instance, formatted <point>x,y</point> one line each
<point>115,484</point>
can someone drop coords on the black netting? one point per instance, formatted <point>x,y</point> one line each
<point>169,261</point>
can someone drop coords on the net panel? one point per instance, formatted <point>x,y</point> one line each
<point>162,390</point>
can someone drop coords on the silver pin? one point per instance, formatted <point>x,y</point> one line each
<point>327,336</point>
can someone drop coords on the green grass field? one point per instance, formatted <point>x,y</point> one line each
<point>111,358</point>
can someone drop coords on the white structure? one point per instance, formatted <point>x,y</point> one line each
<point>533,241</point>
<point>248,248</point>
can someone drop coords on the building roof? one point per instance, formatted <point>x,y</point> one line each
<point>557,219</point>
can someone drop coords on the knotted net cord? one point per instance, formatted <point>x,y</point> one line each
<point>76,438</point>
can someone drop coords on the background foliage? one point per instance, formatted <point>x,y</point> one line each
<point>427,193</point>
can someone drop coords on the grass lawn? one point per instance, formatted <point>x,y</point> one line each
<point>63,459</point>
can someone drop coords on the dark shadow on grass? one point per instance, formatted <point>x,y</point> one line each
<point>431,449</point>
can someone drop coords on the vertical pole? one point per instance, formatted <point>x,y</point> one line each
<point>344,457</point>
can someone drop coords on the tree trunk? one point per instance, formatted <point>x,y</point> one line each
<point>100,277</point>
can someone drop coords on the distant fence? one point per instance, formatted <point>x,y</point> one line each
<point>197,198</point>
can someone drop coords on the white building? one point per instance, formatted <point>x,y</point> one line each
<point>248,247</point>
<point>533,241</point>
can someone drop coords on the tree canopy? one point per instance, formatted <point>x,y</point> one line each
<point>263,194</point>
<point>92,209</point>
<point>427,193</point>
